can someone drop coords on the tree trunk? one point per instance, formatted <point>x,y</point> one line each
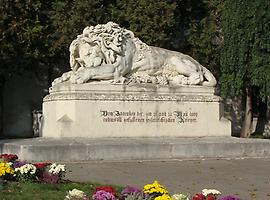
<point>247,123</point>
<point>262,118</point>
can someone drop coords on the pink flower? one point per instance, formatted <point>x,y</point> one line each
<point>103,195</point>
<point>108,189</point>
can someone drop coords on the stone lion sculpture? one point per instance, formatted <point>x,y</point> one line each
<point>107,52</point>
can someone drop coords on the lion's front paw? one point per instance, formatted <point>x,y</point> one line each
<point>66,76</point>
<point>81,76</point>
<point>119,80</point>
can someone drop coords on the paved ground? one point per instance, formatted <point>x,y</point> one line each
<point>248,178</point>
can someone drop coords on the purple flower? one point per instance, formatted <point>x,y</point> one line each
<point>46,177</point>
<point>130,190</point>
<point>229,197</point>
<point>18,164</point>
<point>103,195</point>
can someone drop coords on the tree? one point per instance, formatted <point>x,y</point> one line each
<point>153,21</point>
<point>245,57</point>
<point>24,41</point>
<point>24,36</point>
<point>69,18</point>
<point>205,37</point>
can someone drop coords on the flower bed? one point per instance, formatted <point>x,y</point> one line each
<point>154,191</point>
<point>11,169</point>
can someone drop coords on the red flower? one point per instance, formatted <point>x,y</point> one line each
<point>109,189</point>
<point>198,196</point>
<point>9,157</point>
<point>41,165</point>
<point>211,197</point>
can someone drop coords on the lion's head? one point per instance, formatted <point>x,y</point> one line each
<point>102,44</point>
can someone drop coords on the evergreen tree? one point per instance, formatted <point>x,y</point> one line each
<point>153,21</point>
<point>24,36</point>
<point>205,35</point>
<point>246,52</point>
<point>69,18</point>
<point>24,41</point>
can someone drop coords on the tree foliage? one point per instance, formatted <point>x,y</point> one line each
<point>156,22</point>
<point>245,57</point>
<point>24,36</point>
<point>69,18</point>
<point>35,35</point>
<point>246,50</point>
<point>24,41</point>
<point>153,21</point>
<point>38,32</point>
<point>205,37</point>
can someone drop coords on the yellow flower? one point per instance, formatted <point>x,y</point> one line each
<point>163,197</point>
<point>5,169</point>
<point>155,188</point>
<point>147,187</point>
<point>152,190</point>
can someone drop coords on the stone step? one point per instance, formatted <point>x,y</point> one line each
<point>119,149</point>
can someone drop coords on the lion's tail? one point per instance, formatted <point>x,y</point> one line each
<point>210,79</point>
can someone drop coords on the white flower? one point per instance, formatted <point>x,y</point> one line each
<point>56,169</point>
<point>25,169</point>
<point>179,197</point>
<point>53,165</point>
<point>206,192</point>
<point>75,194</point>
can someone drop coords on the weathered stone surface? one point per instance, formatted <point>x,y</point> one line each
<point>119,86</point>
<point>109,52</point>
<point>96,110</point>
<point>87,149</point>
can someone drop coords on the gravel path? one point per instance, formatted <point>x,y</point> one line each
<point>248,178</point>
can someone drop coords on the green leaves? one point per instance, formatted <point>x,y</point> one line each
<point>23,34</point>
<point>69,18</point>
<point>38,33</point>
<point>153,21</point>
<point>205,36</point>
<point>246,52</point>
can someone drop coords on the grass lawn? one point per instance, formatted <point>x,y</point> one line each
<point>39,191</point>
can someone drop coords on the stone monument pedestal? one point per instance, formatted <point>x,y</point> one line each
<point>101,110</point>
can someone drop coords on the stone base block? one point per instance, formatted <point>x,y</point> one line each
<point>124,149</point>
<point>103,110</point>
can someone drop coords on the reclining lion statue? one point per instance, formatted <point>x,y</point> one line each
<point>107,52</point>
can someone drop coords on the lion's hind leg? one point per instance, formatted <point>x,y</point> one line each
<point>210,80</point>
<point>178,80</point>
<point>193,79</point>
<point>189,71</point>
